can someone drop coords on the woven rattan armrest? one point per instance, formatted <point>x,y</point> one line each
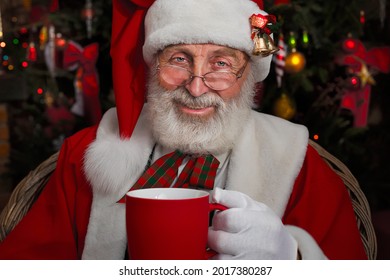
<point>25,194</point>
<point>359,200</point>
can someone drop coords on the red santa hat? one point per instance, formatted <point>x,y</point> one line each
<point>143,27</point>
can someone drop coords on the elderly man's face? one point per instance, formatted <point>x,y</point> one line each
<point>202,115</point>
<point>199,60</point>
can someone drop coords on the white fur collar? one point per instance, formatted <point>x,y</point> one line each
<point>267,159</point>
<point>112,165</point>
<point>264,164</point>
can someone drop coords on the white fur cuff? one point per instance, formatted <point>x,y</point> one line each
<point>307,246</point>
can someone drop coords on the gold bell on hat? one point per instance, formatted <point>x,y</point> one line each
<point>264,45</point>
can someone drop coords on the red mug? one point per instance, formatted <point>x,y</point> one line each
<point>168,223</point>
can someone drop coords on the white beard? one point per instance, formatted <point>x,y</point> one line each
<point>213,134</point>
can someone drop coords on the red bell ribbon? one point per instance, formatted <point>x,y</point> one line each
<point>260,23</point>
<point>85,58</point>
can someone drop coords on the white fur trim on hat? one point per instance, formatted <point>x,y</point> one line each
<point>221,22</point>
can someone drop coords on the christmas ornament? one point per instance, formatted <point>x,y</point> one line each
<point>284,107</point>
<point>50,51</point>
<point>362,17</point>
<point>365,76</point>
<point>87,14</point>
<point>84,59</point>
<point>261,31</point>
<point>31,52</point>
<point>279,60</point>
<point>43,37</point>
<point>295,62</point>
<point>358,59</point>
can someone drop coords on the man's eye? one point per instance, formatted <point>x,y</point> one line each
<point>178,59</point>
<point>222,64</point>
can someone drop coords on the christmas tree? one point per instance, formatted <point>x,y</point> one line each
<point>47,97</point>
<point>332,76</point>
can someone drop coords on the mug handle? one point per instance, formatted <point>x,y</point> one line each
<point>212,207</point>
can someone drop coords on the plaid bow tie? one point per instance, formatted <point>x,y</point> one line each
<point>199,172</point>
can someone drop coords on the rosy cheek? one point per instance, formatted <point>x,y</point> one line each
<point>166,86</point>
<point>230,93</point>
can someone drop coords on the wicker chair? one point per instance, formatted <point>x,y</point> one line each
<point>30,187</point>
<point>359,201</point>
<point>25,194</point>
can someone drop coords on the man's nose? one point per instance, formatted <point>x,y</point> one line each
<point>197,87</point>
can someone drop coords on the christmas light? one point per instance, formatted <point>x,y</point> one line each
<point>10,67</point>
<point>349,44</point>
<point>362,17</point>
<point>88,14</point>
<point>292,42</point>
<point>305,38</point>
<point>23,30</point>
<point>3,44</point>
<point>39,91</point>
<point>1,26</point>
<point>316,137</point>
<point>5,57</point>
<point>354,81</point>
<point>15,41</point>
<point>60,41</point>
<point>24,64</point>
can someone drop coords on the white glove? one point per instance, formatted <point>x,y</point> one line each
<point>248,230</point>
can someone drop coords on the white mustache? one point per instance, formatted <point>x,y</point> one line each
<point>183,97</point>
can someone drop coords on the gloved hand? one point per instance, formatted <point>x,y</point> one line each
<point>248,230</point>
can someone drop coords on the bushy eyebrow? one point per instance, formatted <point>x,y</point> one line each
<point>223,51</point>
<point>227,52</point>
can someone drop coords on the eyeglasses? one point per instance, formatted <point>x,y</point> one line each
<point>179,76</point>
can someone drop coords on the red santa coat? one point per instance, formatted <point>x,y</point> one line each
<point>65,221</point>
